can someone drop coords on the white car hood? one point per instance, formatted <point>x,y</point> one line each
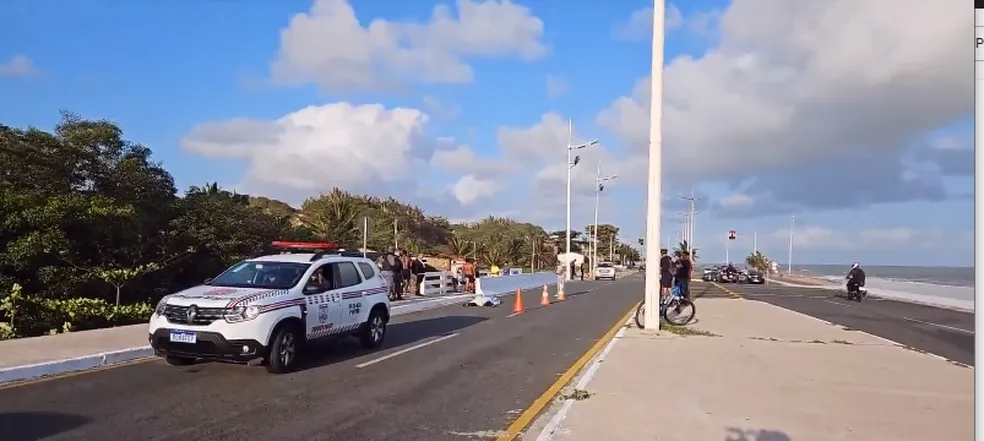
<point>222,297</point>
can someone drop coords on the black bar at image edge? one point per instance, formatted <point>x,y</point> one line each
<point>978,4</point>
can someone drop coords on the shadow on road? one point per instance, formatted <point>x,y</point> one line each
<point>32,426</point>
<point>738,434</point>
<point>397,335</point>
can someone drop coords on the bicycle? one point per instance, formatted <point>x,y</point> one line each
<point>674,304</point>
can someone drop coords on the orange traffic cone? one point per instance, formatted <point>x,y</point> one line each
<point>545,298</point>
<point>560,291</point>
<point>518,306</point>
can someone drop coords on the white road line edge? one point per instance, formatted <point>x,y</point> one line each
<point>404,351</point>
<point>965,331</point>
<point>887,341</point>
<point>551,427</point>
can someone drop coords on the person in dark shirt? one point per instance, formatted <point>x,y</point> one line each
<point>855,278</point>
<point>684,268</point>
<point>665,272</point>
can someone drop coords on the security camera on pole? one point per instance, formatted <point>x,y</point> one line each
<point>571,162</point>
<point>732,235</point>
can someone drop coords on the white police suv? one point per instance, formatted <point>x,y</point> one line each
<point>605,270</point>
<point>263,310</point>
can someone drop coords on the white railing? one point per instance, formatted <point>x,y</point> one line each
<point>437,283</point>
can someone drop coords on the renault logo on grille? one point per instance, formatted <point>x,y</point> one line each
<point>192,314</point>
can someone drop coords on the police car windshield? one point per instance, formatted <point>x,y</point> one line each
<point>266,275</point>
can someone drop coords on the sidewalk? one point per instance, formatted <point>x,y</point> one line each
<point>26,358</point>
<point>766,374</point>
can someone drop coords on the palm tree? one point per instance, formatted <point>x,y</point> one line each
<point>332,217</point>
<point>758,261</point>
<point>683,247</point>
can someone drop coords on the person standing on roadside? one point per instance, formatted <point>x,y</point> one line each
<point>665,272</point>
<point>405,266</point>
<point>573,269</point>
<point>417,270</point>
<point>684,269</point>
<point>584,268</point>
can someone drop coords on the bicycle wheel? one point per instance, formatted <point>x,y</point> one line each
<point>640,316</point>
<point>680,312</point>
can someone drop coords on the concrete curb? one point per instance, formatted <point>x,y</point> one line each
<point>87,362</point>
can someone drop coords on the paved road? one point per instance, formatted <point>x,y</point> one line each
<point>944,332</point>
<point>466,386</point>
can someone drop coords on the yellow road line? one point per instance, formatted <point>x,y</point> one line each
<point>727,291</point>
<point>77,373</point>
<point>544,399</point>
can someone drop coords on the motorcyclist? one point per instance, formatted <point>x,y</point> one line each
<point>855,278</point>
<point>731,271</point>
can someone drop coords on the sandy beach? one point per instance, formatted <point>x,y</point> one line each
<point>804,280</point>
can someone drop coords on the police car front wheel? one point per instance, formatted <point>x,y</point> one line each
<point>284,348</point>
<point>374,330</point>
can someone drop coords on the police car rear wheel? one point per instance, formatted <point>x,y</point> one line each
<point>374,330</point>
<point>283,351</point>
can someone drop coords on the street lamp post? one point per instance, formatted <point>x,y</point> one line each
<point>570,165</point>
<point>789,264</point>
<point>599,187</point>
<point>655,190</point>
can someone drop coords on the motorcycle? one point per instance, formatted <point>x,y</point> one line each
<point>856,293</point>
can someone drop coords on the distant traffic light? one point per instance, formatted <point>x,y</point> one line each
<point>642,241</point>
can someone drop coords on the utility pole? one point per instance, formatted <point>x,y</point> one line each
<point>789,264</point>
<point>654,191</point>
<point>599,187</point>
<point>571,162</point>
<point>691,215</point>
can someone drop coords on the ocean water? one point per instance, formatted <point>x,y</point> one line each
<point>945,286</point>
<point>933,275</point>
<point>951,286</point>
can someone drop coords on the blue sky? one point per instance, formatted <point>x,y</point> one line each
<point>766,115</point>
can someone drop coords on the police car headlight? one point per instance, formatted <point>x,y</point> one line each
<point>161,306</point>
<point>242,313</point>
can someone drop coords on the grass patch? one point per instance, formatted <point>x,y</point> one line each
<point>576,395</point>
<point>842,342</point>
<point>848,328</point>
<point>687,331</point>
<point>819,342</point>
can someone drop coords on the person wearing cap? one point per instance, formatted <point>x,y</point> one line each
<point>665,272</point>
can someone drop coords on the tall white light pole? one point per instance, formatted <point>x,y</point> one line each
<point>655,191</point>
<point>789,264</point>
<point>599,187</point>
<point>570,165</point>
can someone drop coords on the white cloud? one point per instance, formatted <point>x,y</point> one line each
<point>825,238</point>
<point>355,147</point>
<point>469,189</point>
<point>737,200</point>
<point>328,45</point>
<point>433,106</point>
<point>793,84</point>
<point>16,66</point>
<point>639,26</point>
<point>556,86</point>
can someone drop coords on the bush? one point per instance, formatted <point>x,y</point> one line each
<point>27,316</point>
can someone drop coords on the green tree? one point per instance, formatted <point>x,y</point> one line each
<point>758,261</point>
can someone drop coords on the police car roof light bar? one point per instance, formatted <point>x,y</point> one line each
<point>290,245</point>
